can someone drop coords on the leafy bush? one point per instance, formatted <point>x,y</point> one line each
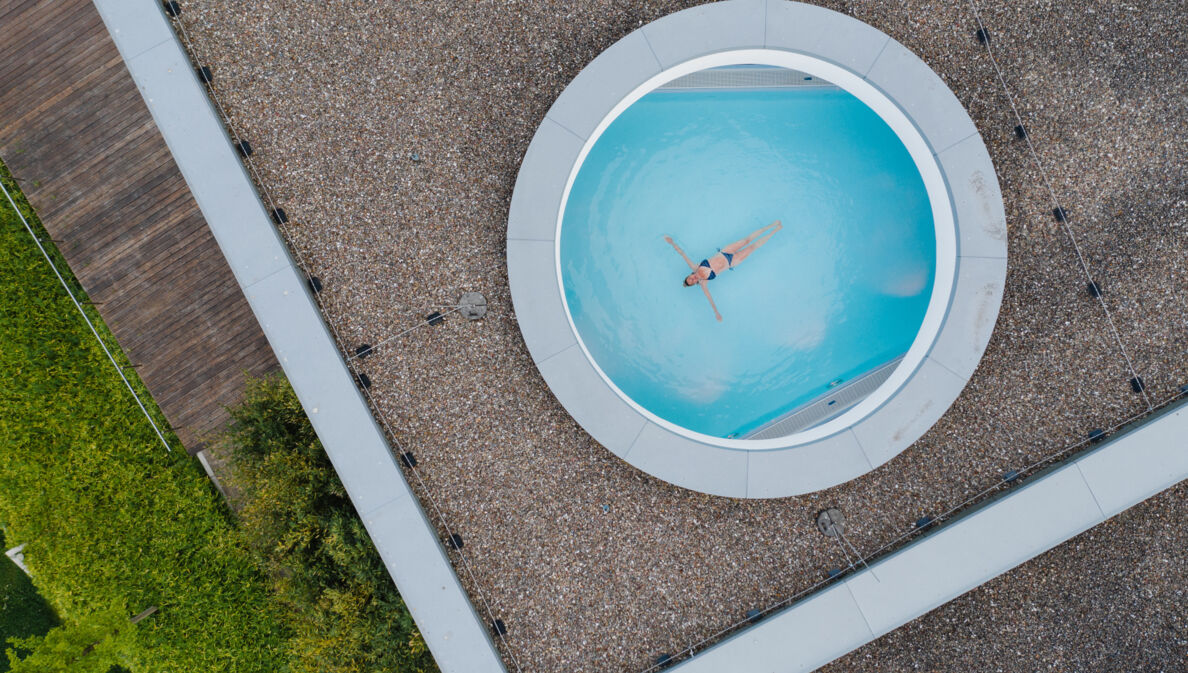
<point>93,644</point>
<point>23,612</point>
<point>343,606</point>
<point>107,515</point>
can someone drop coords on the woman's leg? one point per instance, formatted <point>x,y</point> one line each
<point>746,252</point>
<point>742,242</point>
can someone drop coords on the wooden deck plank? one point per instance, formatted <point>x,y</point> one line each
<point>74,127</point>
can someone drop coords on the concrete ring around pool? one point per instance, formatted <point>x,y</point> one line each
<point>967,209</point>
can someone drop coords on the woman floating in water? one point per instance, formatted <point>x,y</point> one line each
<point>728,258</point>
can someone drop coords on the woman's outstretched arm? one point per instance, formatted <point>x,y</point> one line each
<point>705,289</point>
<point>683,255</point>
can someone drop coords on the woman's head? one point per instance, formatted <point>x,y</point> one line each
<point>690,280</point>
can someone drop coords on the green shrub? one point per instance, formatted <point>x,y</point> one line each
<point>93,644</point>
<point>23,612</point>
<point>343,607</point>
<point>107,514</point>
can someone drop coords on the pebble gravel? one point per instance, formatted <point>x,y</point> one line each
<point>1112,600</point>
<point>392,132</point>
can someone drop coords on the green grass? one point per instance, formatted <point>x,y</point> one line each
<point>23,612</point>
<point>106,513</point>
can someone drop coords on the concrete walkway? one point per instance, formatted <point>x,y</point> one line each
<point>279,297</point>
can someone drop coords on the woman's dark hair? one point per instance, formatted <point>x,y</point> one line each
<point>685,282</point>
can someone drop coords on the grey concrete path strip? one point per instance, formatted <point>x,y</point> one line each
<point>961,555</point>
<point>277,292</point>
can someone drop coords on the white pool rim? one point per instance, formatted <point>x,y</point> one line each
<point>967,211</point>
<point>938,198</point>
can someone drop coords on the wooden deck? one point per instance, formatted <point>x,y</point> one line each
<point>75,131</point>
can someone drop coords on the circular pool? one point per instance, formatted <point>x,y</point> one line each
<point>831,301</point>
<point>844,335</point>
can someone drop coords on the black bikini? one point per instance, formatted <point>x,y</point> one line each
<point>729,260</point>
<point>705,263</point>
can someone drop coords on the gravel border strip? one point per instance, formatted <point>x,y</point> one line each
<point>279,296</point>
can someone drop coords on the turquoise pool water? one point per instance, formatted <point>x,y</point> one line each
<point>840,290</point>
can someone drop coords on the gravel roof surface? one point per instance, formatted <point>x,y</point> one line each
<point>1111,599</point>
<point>591,564</point>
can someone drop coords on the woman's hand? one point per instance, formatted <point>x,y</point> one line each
<point>718,316</point>
<point>668,239</point>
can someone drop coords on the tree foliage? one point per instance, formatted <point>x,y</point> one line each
<point>23,612</point>
<point>343,607</point>
<point>92,644</point>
